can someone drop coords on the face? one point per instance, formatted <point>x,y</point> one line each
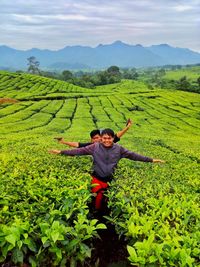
<point>96,138</point>
<point>107,140</point>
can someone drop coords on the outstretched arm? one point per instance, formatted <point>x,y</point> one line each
<point>125,153</point>
<point>62,141</point>
<point>88,150</point>
<point>124,130</point>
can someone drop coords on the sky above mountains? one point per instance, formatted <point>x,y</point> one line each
<point>55,24</point>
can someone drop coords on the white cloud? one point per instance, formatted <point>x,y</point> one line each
<point>56,24</point>
<point>183,8</point>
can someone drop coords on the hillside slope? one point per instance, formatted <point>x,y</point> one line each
<point>46,104</point>
<point>45,219</point>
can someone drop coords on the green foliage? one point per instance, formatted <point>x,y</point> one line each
<point>94,78</point>
<point>16,239</point>
<point>183,78</point>
<point>67,75</point>
<point>44,215</point>
<point>46,218</point>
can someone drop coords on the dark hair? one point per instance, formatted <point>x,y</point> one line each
<point>108,132</point>
<point>94,132</point>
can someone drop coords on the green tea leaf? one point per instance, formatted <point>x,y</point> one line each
<point>17,256</point>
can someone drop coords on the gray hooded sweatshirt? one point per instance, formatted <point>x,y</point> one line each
<point>105,159</point>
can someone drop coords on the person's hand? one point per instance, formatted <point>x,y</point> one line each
<point>129,123</point>
<point>158,161</point>
<point>59,139</point>
<point>54,151</point>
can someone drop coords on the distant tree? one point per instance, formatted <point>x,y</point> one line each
<point>67,75</point>
<point>50,74</point>
<point>19,71</point>
<point>113,75</point>
<point>183,84</point>
<point>114,70</point>
<point>161,72</point>
<point>79,73</point>
<point>103,77</point>
<point>130,74</point>
<point>83,83</point>
<point>178,67</point>
<point>33,65</point>
<point>198,81</point>
<point>172,67</point>
<point>112,79</point>
<point>126,74</point>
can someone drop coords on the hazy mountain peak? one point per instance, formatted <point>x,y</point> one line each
<point>7,48</point>
<point>164,45</point>
<point>118,42</point>
<point>33,50</point>
<point>74,46</point>
<point>104,55</point>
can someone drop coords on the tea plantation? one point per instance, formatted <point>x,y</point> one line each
<point>44,198</point>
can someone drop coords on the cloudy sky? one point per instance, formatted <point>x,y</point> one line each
<point>54,24</point>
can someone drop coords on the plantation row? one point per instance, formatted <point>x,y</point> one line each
<point>26,86</point>
<point>154,114</point>
<point>44,214</point>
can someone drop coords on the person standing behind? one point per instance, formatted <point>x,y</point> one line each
<point>95,136</point>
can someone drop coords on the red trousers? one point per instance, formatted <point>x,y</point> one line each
<point>99,190</point>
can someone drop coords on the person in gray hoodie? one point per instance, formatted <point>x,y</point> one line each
<point>106,154</point>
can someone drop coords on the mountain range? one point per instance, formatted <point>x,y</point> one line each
<point>100,57</point>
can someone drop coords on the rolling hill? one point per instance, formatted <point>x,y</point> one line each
<point>166,112</point>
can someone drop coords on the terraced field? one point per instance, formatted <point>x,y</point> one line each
<point>192,73</point>
<point>44,199</point>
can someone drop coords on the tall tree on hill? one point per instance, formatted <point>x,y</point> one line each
<point>130,74</point>
<point>33,65</point>
<point>183,84</point>
<point>114,74</point>
<point>113,70</point>
<point>67,75</point>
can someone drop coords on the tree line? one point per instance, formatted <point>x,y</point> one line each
<point>184,83</point>
<point>88,79</point>
<point>153,77</point>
